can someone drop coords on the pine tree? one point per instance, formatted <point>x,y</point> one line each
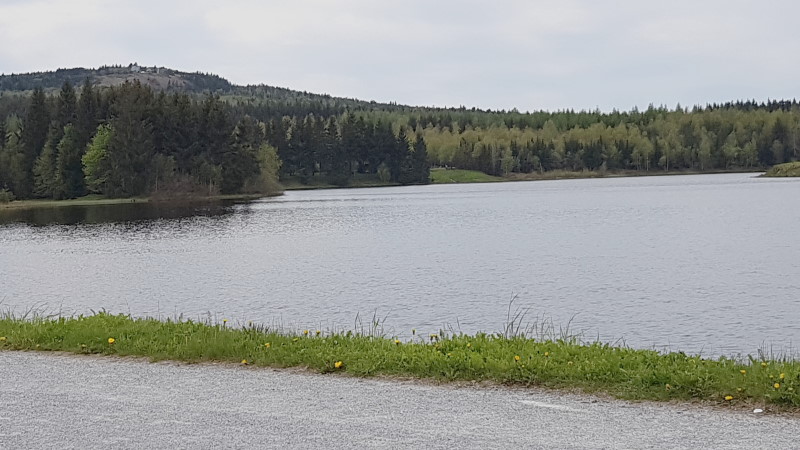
<point>94,161</point>
<point>69,170</point>
<point>240,160</point>
<point>66,107</point>
<point>422,168</point>
<point>34,135</point>
<point>44,169</point>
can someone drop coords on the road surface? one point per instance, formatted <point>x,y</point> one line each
<point>64,401</point>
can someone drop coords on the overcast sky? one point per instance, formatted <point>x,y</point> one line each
<point>532,55</point>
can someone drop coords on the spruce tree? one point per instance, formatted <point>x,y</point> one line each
<point>33,137</point>
<point>69,170</point>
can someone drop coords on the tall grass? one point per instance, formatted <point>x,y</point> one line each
<point>509,357</point>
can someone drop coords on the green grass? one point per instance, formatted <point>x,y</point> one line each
<point>791,169</point>
<point>82,201</point>
<point>514,360</point>
<point>359,180</point>
<point>442,176</point>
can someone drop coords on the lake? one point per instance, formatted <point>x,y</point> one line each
<point>700,263</point>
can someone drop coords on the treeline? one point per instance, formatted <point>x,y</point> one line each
<point>128,140</point>
<point>710,139</point>
<point>732,136</point>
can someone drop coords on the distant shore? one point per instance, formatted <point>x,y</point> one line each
<point>438,176</point>
<point>99,200</point>
<point>791,169</point>
<point>462,176</point>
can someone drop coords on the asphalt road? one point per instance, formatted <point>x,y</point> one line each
<point>64,401</point>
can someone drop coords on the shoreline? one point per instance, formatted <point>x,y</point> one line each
<point>565,364</point>
<point>92,200</point>
<point>96,200</point>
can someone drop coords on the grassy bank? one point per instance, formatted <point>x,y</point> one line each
<point>89,200</point>
<point>621,372</point>
<point>359,180</point>
<point>442,176</point>
<point>445,176</point>
<point>791,169</point>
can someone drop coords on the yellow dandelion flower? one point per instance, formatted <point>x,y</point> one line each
<point>111,340</point>
<point>517,358</point>
<point>728,398</point>
<point>469,345</point>
<point>763,364</point>
<point>397,341</point>
<point>267,345</point>
<point>244,361</point>
<point>782,376</point>
<point>776,385</point>
<point>338,364</point>
<point>305,332</point>
<point>318,332</point>
<point>668,387</point>
<point>2,338</point>
<point>743,372</point>
<point>546,354</point>
<point>224,320</point>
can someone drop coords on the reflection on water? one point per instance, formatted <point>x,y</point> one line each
<point>122,212</point>
<point>695,263</point>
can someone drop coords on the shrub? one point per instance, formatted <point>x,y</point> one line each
<point>6,196</point>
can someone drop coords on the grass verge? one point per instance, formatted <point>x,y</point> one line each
<point>516,360</point>
<point>444,176</point>
<point>791,169</point>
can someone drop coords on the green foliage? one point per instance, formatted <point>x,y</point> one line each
<point>44,169</point>
<point>6,196</point>
<point>439,176</point>
<point>69,171</point>
<point>383,173</point>
<point>512,359</point>
<point>266,180</point>
<point>211,143</point>
<point>791,169</point>
<point>239,161</point>
<point>95,167</point>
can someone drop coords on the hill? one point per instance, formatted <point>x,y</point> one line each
<point>158,78</point>
<point>171,80</point>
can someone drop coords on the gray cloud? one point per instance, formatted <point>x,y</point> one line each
<point>503,54</point>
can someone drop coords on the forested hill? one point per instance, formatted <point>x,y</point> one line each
<point>170,80</point>
<point>159,78</point>
<point>131,130</point>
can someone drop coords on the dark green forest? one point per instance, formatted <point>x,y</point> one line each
<point>168,133</point>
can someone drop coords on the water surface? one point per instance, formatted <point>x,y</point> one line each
<point>701,263</point>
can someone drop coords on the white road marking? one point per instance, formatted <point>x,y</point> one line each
<point>549,405</point>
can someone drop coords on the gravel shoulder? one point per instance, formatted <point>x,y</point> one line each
<point>65,401</point>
